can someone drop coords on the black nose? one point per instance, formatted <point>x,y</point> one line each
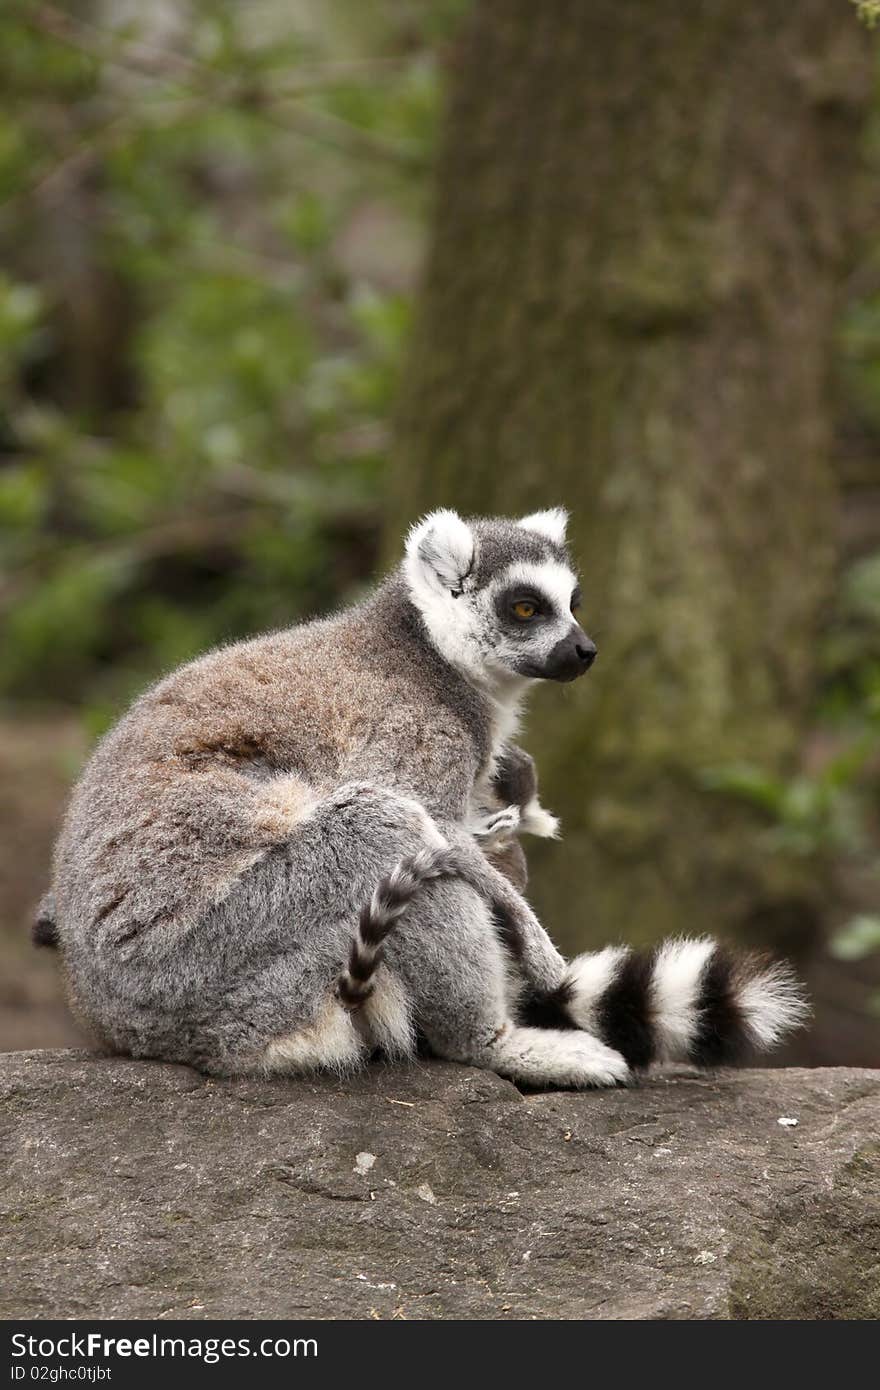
<point>586,653</point>
<point>571,657</point>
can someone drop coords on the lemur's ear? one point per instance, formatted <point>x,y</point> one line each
<point>551,524</point>
<point>440,552</point>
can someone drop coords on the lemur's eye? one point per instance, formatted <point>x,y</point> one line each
<point>524,609</point>
<point>575,600</point>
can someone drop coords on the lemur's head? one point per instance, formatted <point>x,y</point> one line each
<point>498,597</point>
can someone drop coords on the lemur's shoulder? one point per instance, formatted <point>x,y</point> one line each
<point>399,651</point>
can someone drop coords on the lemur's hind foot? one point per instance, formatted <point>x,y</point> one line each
<point>550,1057</point>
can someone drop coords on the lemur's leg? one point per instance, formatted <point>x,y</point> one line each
<point>451,964</point>
<point>541,965</point>
<point>364,831</point>
<point>443,967</point>
<point>556,992</point>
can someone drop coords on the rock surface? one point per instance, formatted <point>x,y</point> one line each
<point>131,1189</point>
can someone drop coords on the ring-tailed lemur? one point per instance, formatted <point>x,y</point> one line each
<point>274,861</point>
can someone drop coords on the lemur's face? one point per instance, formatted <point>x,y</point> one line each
<point>500,598</point>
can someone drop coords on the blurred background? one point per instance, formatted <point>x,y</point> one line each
<point>278,276</point>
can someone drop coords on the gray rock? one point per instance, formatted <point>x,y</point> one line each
<point>138,1190</point>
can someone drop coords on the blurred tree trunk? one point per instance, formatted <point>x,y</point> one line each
<point>53,237</point>
<point>642,217</point>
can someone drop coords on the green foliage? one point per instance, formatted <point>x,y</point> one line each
<point>809,813</point>
<point>209,223</point>
<point>832,809</point>
<point>868,12</point>
<point>858,938</point>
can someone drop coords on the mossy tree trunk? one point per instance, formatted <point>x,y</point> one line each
<point>641,221</point>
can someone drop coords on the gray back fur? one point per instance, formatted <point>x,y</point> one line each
<point>225,835</point>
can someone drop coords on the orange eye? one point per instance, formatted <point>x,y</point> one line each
<point>524,609</point>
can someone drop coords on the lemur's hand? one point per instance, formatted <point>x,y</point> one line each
<point>516,783</point>
<point>496,828</point>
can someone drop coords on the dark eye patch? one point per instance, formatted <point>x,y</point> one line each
<point>576,598</point>
<point>522,593</point>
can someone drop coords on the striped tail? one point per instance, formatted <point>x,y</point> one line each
<point>390,899</point>
<point>686,1001</point>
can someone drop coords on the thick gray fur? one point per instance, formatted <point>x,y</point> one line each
<point>391,898</point>
<point>227,833</point>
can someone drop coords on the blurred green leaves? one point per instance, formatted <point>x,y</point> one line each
<point>809,813</point>
<point>868,12</point>
<point>830,809</point>
<point>858,939</point>
<point>209,219</point>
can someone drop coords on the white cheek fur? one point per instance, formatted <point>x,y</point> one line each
<point>550,577</point>
<point>466,630</point>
